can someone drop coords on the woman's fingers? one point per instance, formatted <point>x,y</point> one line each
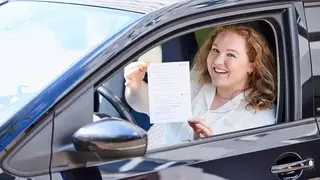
<point>134,65</point>
<point>192,123</point>
<point>135,71</point>
<point>142,66</point>
<point>204,124</point>
<point>133,84</point>
<point>134,74</point>
<point>205,131</point>
<point>197,133</point>
<point>200,128</point>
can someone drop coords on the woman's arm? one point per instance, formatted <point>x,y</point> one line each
<point>138,99</point>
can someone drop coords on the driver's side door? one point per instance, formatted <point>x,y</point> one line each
<point>287,150</point>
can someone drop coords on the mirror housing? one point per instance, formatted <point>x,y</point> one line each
<point>112,137</point>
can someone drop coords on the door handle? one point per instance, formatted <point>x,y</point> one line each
<point>293,166</point>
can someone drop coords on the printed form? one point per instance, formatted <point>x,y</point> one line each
<point>169,92</point>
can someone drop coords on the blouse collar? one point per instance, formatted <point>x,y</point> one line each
<point>209,94</point>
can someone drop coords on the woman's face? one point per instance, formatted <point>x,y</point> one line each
<point>227,62</point>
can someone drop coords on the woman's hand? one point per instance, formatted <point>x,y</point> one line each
<point>200,128</point>
<point>134,74</point>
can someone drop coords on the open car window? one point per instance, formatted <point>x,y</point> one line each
<point>182,48</point>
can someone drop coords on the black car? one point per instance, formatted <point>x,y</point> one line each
<point>70,56</point>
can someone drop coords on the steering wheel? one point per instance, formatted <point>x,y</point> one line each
<point>116,103</point>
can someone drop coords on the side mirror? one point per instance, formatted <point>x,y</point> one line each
<point>113,137</point>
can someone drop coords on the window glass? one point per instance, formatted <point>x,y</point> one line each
<point>40,40</point>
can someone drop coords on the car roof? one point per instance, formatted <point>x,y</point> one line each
<point>139,6</point>
<point>145,6</point>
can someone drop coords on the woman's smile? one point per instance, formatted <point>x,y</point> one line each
<point>219,71</point>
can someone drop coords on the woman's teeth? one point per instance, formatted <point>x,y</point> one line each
<point>220,70</point>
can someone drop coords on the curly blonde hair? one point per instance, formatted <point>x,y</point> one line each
<point>262,81</point>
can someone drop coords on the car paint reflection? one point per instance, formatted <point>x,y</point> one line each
<point>218,147</point>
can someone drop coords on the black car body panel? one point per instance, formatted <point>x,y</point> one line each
<point>245,156</point>
<point>242,155</point>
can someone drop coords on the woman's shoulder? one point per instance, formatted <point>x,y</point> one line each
<point>195,88</point>
<point>265,117</point>
<point>271,112</point>
<point>195,84</point>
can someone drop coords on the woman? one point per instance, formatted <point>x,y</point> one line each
<point>235,87</point>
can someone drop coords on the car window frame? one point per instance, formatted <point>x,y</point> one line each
<point>136,52</point>
<point>116,63</point>
<point>288,118</point>
<point>155,37</point>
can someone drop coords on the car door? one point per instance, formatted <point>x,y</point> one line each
<point>287,150</point>
<point>311,9</point>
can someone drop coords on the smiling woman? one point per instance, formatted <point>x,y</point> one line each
<point>239,57</point>
<point>237,61</point>
<point>234,88</point>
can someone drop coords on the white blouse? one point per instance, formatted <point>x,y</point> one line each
<point>232,116</point>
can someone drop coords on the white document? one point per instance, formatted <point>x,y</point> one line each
<point>169,92</point>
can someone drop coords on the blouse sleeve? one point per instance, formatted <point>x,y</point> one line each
<point>195,88</point>
<point>260,119</point>
<point>138,99</point>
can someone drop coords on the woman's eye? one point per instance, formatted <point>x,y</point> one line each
<point>215,50</point>
<point>231,55</point>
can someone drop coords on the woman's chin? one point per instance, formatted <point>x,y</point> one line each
<point>220,83</point>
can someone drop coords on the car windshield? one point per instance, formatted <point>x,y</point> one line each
<point>41,40</point>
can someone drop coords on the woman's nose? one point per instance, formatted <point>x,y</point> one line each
<point>218,59</point>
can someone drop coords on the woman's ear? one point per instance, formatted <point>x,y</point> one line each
<point>251,68</point>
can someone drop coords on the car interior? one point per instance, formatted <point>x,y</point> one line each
<point>182,48</point>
